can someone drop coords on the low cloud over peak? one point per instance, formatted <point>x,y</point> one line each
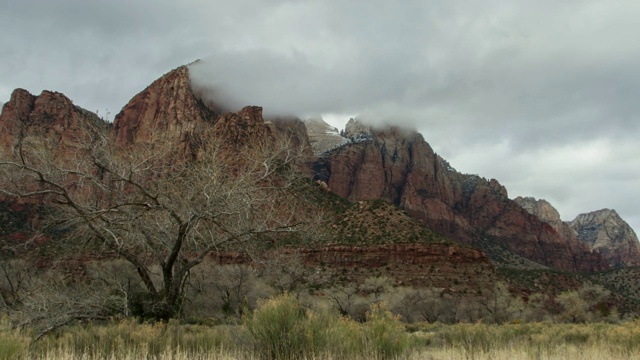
<point>522,81</point>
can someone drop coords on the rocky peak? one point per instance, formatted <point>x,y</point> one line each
<point>605,231</point>
<point>322,136</point>
<point>540,208</point>
<point>399,166</point>
<point>544,211</point>
<point>357,130</point>
<point>243,126</point>
<point>50,117</point>
<point>171,112</point>
<point>167,111</point>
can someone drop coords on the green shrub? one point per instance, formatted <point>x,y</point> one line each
<point>384,333</point>
<point>279,329</point>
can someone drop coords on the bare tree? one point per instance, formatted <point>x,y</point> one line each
<point>578,306</point>
<point>345,298</point>
<point>286,272</point>
<point>377,286</point>
<point>148,206</point>
<point>53,300</point>
<point>16,278</point>
<point>433,304</point>
<point>499,305</point>
<point>233,286</point>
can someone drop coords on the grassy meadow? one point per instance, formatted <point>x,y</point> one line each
<point>281,328</point>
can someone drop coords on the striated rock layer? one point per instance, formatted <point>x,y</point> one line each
<point>413,264</point>
<point>605,232</point>
<point>399,166</point>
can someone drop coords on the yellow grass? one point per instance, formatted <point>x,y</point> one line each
<point>129,340</point>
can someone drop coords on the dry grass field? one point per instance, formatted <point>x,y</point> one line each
<point>331,338</point>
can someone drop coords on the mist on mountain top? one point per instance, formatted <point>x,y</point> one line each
<point>286,86</point>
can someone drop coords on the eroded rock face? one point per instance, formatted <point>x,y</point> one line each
<point>170,111</point>
<point>399,166</point>
<point>413,264</point>
<point>322,136</point>
<point>605,232</point>
<point>239,128</point>
<point>47,127</point>
<point>547,213</point>
<point>356,129</point>
<point>601,231</point>
<point>540,208</point>
<point>166,112</point>
<point>450,267</point>
<point>50,117</point>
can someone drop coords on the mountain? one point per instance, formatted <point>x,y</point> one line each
<point>322,136</point>
<point>374,236</point>
<point>170,111</point>
<point>547,213</point>
<point>167,111</point>
<point>366,164</point>
<point>50,116</point>
<point>602,231</point>
<point>606,232</point>
<point>399,166</point>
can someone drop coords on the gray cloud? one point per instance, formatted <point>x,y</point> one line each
<point>538,94</point>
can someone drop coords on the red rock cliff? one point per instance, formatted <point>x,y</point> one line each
<point>50,117</point>
<point>400,166</point>
<point>166,112</point>
<point>169,112</point>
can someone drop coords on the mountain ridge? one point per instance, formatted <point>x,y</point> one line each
<point>388,163</point>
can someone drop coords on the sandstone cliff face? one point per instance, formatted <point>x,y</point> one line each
<point>399,166</point>
<point>50,128</point>
<point>540,208</point>
<point>166,112</point>
<point>50,117</point>
<point>170,111</point>
<point>605,232</point>
<point>450,267</point>
<point>547,213</point>
<point>601,231</point>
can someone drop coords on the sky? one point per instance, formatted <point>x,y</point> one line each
<point>541,95</point>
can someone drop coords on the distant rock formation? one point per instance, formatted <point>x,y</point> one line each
<point>322,136</point>
<point>602,231</point>
<point>357,130</point>
<point>547,213</point>
<point>50,117</point>
<point>606,232</point>
<point>399,166</point>
<point>540,208</point>
<point>366,163</point>
<point>167,111</point>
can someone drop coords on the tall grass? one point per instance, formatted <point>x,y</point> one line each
<point>281,328</point>
<point>534,340</point>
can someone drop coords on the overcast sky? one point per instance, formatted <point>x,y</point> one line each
<point>541,95</point>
